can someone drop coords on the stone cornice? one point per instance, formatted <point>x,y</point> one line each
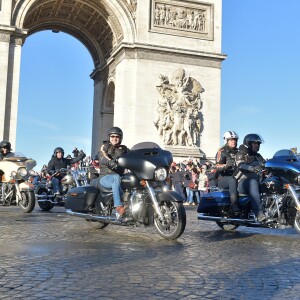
<point>159,53</point>
<point>12,34</point>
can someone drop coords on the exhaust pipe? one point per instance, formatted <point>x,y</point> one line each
<point>104,219</point>
<point>246,222</point>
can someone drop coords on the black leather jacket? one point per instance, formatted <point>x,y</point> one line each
<point>107,155</point>
<point>225,160</point>
<point>245,161</point>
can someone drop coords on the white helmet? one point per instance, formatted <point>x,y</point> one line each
<point>230,135</point>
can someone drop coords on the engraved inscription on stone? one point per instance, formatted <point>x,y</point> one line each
<point>182,18</point>
<point>179,117</point>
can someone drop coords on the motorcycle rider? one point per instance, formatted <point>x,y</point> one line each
<point>225,163</point>
<point>248,164</point>
<point>5,148</point>
<point>58,161</point>
<point>110,171</point>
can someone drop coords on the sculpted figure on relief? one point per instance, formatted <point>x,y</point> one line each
<point>179,117</point>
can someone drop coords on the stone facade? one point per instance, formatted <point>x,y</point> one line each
<point>135,46</point>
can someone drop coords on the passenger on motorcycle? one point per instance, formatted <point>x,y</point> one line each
<point>57,162</point>
<point>5,148</point>
<point>110,171</point>
<point>248,164</point>
<point>225,164</point>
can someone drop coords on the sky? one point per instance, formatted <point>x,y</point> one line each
<point>259,93</point>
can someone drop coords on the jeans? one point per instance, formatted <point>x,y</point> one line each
<point>113,181</point>
<point>190,195</point>
<point>56,185</point>
<point>250,186</point>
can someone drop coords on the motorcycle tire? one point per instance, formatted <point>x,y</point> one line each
<point>227,226</point>
<point>46,206</point>
<point>297,222</point>
<point>174,221</point>
<point>27,202</point>
<point>97,224</point>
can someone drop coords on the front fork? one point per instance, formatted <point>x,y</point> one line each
<point>154,201</point>
<point>294,195</point>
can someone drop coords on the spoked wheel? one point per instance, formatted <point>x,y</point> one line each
<point>297,222</point>
<point>173,224</point>
<point>45,206</point>
<point>227,226</point>
<point>27,202</point>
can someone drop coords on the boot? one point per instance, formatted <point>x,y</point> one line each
<point>120,211</point>
<point>234,203</point>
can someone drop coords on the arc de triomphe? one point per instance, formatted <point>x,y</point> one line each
<point>157,66</point>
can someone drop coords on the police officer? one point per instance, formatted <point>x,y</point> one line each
<point>58,161</point>
<point>249,163</point>
<point>225,163</point>
<point>5,148</point>
<point>110,171</point>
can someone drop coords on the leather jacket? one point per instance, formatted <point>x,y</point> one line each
<point>225,160</point>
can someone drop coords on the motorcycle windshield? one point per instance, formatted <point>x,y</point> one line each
<point>286,160</point>
<point>144,158</point>
<point>20,159</point>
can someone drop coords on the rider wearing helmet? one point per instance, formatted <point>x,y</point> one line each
<point>248,164</point>
<point>225,163</point>
<point>5,148</point>
<point>57,162</point>
<point>110,171</point>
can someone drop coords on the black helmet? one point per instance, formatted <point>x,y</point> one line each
<point>252,137</point>
<point>96,157</point>
<point>116,130</point>
<point>58,149</point>
<point>5,144</point>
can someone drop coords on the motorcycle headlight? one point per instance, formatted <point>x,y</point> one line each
<point>298,180</point>
<point>161,174</point>
<point>22,172</point>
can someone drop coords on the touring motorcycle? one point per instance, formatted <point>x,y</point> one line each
<point>147,198</point>
<point>44,191</point>
<point>280,193</point>
<point>15,189</point>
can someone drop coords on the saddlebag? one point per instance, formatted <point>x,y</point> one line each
<point>214,202</point>
<point>81,198</point>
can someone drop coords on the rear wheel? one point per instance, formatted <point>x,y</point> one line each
<point>227,226</point>
<point>27,202</point>
<point>297,222</point>
<point>173,224</point>
<point>96,224</point>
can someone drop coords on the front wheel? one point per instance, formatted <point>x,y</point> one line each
<point>45,206</point>
<point>297,222</point>
<point>227,226</point>
<point>173,224</point>
<point>27,202</point>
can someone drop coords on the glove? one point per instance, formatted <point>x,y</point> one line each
<point>256,169</point>
<point>112,164</point>
<point>229,165</point>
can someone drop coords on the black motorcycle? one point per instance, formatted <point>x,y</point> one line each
<point>45,195</point>
<point>280,193</point>
<point>148,200</point>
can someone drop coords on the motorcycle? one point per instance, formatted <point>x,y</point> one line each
<point>148,200</point>
<point>44,191</point>
<point>279,191</point>
<point>15,189</point>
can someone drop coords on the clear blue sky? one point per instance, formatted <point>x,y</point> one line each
<point>260,82</point>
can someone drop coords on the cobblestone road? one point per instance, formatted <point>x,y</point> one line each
<point>50,255</point>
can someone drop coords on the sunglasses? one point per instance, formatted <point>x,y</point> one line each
<point>114,136</point>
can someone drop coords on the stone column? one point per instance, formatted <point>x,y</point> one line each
<point>4,55</point>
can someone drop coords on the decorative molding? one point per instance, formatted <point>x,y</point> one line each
<point>132,6</point>
<point>183,18</point>
<point>4,37</point>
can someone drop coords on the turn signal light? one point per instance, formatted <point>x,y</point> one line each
<point>143,183</point>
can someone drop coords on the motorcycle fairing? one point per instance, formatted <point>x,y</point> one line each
<point>144,162</point>
<point>169,196</point>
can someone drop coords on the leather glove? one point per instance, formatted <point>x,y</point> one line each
<point>256,169</point>
<point>112,164</point>
<point>229,165</point>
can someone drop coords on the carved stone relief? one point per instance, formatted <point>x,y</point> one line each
<point>179,117</point>
<point>132,5</point>
<point>182,18</point>
<point>4,37</point>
